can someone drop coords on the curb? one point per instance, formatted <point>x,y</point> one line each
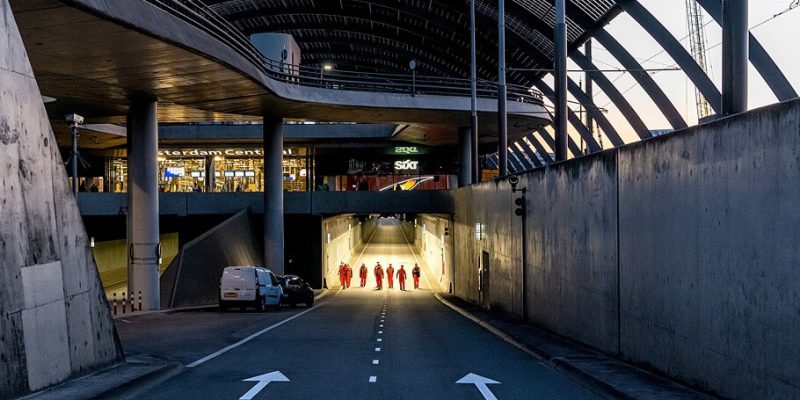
<point>131,389</point>
<point>555,363</point>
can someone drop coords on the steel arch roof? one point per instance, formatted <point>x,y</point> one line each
<point>382,35</point>
<point>364,34</point>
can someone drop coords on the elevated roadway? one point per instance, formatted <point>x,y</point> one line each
<point>95,56</point>
<point>316,203</point>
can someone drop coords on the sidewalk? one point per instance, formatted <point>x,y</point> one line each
<point>119,381</point>
<point>609,376</point>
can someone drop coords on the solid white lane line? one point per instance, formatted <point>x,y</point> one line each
<point>373,379</point>
<point>247,339</point>
<point>376,362</point>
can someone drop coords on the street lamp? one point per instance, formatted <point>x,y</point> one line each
<point>412,65</point>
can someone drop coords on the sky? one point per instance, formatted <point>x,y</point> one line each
<point>779,35</point>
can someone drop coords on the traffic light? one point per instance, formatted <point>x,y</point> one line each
<point>520,202</point>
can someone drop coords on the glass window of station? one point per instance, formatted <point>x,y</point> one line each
<point>230,169</point>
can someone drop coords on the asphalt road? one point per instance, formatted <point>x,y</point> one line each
<point>359,343</point>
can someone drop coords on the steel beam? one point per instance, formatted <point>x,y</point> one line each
<point>642,77</point>
<point>614,94</point>
<point>502,118</point>
<point>531,153</point>
<point>464,156</point>
<point>761,60</point>
<point>572,118</point>
<point>734,56</point>
<point>473,73</point>
<point>539,148</point>
<point>675,49</point>
<point>560,79</point>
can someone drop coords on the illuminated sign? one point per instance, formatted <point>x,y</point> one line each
<point>406,165</point>
<point>174,172</point>
<point>406,150</point>
<point>205,153</point>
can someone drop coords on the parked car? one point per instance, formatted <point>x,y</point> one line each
<point>296,290</point>
<point>249,286</point>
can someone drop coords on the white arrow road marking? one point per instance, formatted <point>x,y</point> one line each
<point>480,382</point>
<point>263,381</point>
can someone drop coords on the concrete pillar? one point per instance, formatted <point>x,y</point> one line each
<point>210,174</point>
<point>735,54</point>
<point>502,123</point>
<point>464,156</point>
<point>560,81</point>
<point>473,67</point>
<point>143,239</point>
<point>273,194</point>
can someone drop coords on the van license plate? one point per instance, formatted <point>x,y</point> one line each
<point>230,294</point>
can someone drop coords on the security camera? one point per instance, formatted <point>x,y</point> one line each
<point>513,180</point>
<point>74,119</point>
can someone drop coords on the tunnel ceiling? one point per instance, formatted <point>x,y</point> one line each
<point>384,35</point>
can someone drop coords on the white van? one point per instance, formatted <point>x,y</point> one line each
<point>249,286</point>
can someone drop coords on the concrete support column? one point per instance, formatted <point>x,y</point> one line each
<point>143,239</point>
<point>502,125</point>
<point>735,55</point>
<point>210,174</point>
<point>560,81</point>
<point>473,68</point>
<point>464,156</point>
<point>273,194</point>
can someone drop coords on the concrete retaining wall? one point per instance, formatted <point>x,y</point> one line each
<point>54,319</point>
<point>679,253</point>
<point>192,279</point>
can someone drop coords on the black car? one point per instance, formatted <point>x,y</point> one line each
<point>296,290</point>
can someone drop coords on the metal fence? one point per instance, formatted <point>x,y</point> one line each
<point>206,19</point>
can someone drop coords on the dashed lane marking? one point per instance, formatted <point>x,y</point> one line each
<point>376,362</point>
<point>373,379</point>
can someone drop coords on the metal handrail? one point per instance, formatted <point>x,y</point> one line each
<point>209,21</point>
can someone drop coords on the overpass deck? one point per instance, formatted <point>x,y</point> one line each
<point>94,56</point>
<point>315,203</point>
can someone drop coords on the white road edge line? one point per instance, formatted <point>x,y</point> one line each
<point>247,339</point>
<point>365,246</point>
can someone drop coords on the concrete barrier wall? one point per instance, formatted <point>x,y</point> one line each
<point>678,253</point>
<point>54,319</point>
<point>342,237</point>
<point>709,254</point>
<point>192,279</point>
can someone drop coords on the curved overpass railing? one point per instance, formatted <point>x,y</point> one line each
<point>206,19</point>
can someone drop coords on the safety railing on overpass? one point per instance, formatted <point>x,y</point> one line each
<point>206,19</point>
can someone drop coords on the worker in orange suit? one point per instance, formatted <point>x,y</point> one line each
<point>390,275</point>
<point>415,273</point>
<point>362,273</point>
<point>349,274</point>
<point>401,277</point>
<point>342,275</point>
<point>379,275</point>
